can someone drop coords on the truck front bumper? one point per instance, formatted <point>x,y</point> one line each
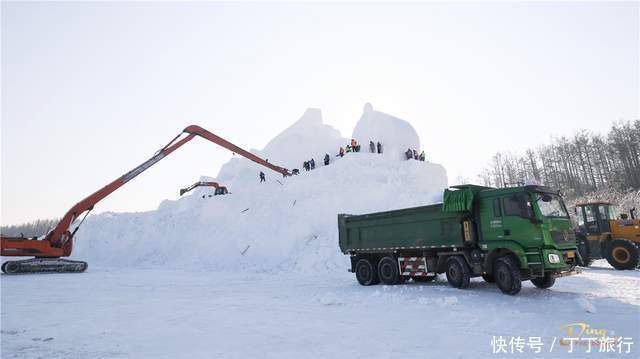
<point>574,271</point>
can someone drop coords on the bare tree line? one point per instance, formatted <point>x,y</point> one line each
<point>35,228</point>
<point>580,164</point>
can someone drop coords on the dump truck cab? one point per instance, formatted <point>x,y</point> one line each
<point>602,234</point>
<point>531,223</point>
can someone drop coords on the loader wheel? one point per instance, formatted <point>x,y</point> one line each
<point>388,271</point>
<point>622,254</point>
<point>488,278</point>
<point>544,282</point>
<point>507,275</point>
<point>585,252</point>
<point>366,273</point>
<point>458,272</point>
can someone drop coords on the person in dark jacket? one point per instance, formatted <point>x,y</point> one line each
<point>409,154</point>
<point>295,171</point>
<point>372,147</point>
<point>305,165</point>
<point>379,147</point>
<point>415,154</point>
<point>312,164</point>
<point>262,177</point>
<point>326,159</point>
<point>341,153</point>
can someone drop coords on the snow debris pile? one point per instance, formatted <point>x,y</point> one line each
<point>283,224</point>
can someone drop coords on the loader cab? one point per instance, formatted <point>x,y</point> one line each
<point>594,217</point>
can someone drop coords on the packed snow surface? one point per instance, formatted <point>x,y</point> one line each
<point>159,313</point>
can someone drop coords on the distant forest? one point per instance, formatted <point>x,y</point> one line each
<point>35,228</point>
<point>581,164</point>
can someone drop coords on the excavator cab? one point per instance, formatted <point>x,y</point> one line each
<point>602,235</point>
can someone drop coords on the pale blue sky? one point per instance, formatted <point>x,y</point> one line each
<point>90,90</point>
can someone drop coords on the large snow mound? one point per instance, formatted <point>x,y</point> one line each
<point>282,224</point>
<point>396,135</point>
<point>307,138</point>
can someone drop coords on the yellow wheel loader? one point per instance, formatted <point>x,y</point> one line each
<point>603,235</point>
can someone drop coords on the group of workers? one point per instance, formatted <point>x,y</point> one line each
<point>413,155</point>
<point>351,147</point>
<point>355,147</point>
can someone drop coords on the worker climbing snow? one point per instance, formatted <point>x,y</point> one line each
<point>348,149</point>
<point>415,154</point>
<point>326,159</point>
<point>379,147</point>
<point>305,165</point>
<point>341,153</point>
<point>422,156</point>
<point>312,164</point>
<point>295,171</point>
<point>372,147</point>
<point>262,177</point>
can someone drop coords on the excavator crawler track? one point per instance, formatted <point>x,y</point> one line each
<point>43,265</point>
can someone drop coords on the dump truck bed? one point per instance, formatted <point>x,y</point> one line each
<point>421,227</point>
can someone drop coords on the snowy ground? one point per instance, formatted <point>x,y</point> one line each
<point>151,313</point>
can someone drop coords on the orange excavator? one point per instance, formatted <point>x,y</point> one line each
<point>219,189</point>
<point>58,242</point>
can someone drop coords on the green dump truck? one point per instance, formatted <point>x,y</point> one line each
<point>505,235</point>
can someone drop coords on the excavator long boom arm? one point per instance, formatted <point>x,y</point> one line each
<point>58,242</point>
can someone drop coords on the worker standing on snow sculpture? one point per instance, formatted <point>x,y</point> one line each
<point>415,155</point>
<point>295,171</point>
<point>372,147</point>
<point>379,147</point>
<point>409,154</point>
<point>326,159</point>
<point>305,165</point>
<point>262,177</point>
<point>423,156</point>
<point>341,153</point>
<point>312,164</point>
<point>348,149</point>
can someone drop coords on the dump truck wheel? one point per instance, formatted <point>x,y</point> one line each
<point>507,275</point>
<point>458,272</point>
<point>366,273</point>
<point>3,265</point>
<point>585,252</point>
<point>544,282</point>
<point>622,254</point>
<point>388,271</point>
<point>488,278</point>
